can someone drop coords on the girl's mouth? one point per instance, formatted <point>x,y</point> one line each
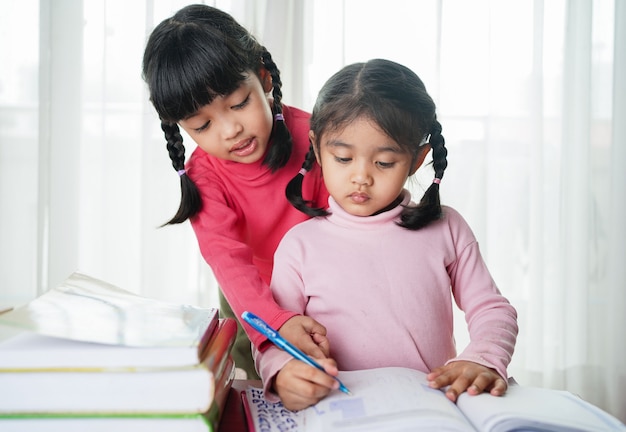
<point>359,197</point>
<point>244,148</point>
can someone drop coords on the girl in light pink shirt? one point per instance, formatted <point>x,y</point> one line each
<point>380,271</point>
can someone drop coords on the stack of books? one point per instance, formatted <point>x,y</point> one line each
<point>90,356</point>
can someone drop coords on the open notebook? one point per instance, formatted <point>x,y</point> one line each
<point>399,399</point>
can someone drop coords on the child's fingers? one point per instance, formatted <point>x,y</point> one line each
<point>329,365</point>
<point>458,386</point>
<point>299,330</point>
<point>441,377</point>
<point>322,342</point>
<point>485,381</point>
<point>311,326</point>
<point>320,347</point>
<point>300,385</point>
<point>298,375</point>
<point>312,349</point>
<point>461,376</point>
<point>499,388</point>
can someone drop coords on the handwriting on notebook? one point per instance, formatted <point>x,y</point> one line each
<point>271,417</point>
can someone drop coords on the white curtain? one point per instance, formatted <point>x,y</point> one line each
<point>529,94</point>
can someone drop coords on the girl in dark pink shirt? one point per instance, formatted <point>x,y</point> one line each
<point>208,75</point>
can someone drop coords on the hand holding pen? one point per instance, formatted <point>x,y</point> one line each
<point>275,337</point>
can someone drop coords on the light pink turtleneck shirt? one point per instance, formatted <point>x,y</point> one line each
<point>385,293</point>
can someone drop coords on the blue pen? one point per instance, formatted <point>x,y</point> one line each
<point>282,343</point>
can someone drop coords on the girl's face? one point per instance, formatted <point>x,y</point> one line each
<point>235,127</point>
<point>364,170</point>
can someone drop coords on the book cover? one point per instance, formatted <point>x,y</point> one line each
<point>195,423</point>
<point>220,344</point>
<point>202,422</point>
<point>222,386</point>
<point>184,389</point>
<point>116,423</point>
<point>28,351</point>
<point>119,326</point>
<point>399,399</point>
<point>109,314</point>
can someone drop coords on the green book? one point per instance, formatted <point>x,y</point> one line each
<point>65,422</point>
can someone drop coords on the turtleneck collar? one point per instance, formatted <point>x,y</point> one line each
<point>249,172</point>
<point>340,217</point>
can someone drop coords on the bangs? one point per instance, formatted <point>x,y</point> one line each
<point>188,73</point>
<point>401,125</point>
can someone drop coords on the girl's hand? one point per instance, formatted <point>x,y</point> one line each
<point>306,334</point>
<point>467,376</point>
<point>300,385</point>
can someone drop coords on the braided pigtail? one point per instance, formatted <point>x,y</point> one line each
<point>429,207</point>
<point>282,144</point>
<point>294,188</point>
<point>190,201</point>
<point>293,191</point>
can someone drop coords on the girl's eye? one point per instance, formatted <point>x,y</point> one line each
<point>342,160</point>
<point>385,164</point>
<point>242,104</point>
<point>202,128</point>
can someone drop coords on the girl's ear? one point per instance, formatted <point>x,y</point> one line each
<point>420,158</point>
<point>266,80</point>
<point>315,150</point>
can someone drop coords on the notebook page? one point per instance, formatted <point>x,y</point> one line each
<point>533,408</point>
<point>385,399</point>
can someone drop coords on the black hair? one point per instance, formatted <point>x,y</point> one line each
<point>193,57</point>
<point>394,98</point>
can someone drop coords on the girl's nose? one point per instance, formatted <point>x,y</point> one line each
<point>231,128</point>
<point>361,175</point>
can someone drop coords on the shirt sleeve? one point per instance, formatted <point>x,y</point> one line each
<point>288,290</point>
<point>231,260</point>
<point>491,319</point>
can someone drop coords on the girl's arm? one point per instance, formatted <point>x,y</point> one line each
<point>281,374</point>
<point>231,261</point>
<point>491,319</point>
<point>492,322</point>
